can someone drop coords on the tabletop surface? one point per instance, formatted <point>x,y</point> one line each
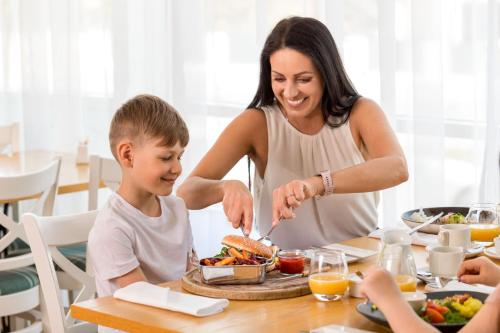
<point>72,178</point>
<point>287,315</point>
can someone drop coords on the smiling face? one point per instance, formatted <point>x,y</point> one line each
<point>296,83</point>
<point>155,167</point>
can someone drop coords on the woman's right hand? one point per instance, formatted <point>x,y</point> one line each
<point>238,205</point>
<point>479,270</point>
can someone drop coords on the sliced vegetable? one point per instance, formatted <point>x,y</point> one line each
<point>225,261</point>
<point>222,253</point>
<point>434,316</point>
<point>235,253</point>
<point>439,308</point>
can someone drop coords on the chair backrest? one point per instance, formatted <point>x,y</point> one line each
<point>9,135</point>
<point>42,183</point>
<point>106,170</point>
<point>45,234</point>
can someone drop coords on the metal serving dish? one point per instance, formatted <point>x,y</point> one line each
<point>233,274</point>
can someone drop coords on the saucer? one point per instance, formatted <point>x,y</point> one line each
<point>473,252</point>
<point>492,253</point>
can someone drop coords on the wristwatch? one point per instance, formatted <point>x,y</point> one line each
<point>326,175</point>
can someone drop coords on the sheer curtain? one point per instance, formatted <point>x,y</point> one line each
<point>65,66</point>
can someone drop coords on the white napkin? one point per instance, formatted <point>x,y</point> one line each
<point>152,295</point>
<point>417,238</point>
<point>351,250</point>
<point>457,285</point>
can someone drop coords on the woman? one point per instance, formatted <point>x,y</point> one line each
<point>320,150</point>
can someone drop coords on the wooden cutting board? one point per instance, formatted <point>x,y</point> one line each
<point>276,286</point>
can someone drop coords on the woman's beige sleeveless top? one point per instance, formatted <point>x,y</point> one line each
<point>294,155</point>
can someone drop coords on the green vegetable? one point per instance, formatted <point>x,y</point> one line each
<point>222,253</point>
<point>374,307</point>
<point>452,317</point>
<point>456,218</point>
<point>459,313</point>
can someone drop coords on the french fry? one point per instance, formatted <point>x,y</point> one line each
<point>225,261</point>
<point>235,253</point>
<point>245,254</point>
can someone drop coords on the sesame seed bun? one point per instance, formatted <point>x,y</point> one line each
<point>248,244</point>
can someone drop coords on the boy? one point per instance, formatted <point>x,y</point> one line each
<point>143,233</point>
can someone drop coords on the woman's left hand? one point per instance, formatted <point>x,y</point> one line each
<point>291,195</point>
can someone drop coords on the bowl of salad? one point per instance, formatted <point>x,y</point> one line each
<point>451,215</point>
<point>448,311</point>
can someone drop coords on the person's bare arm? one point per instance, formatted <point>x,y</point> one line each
<point>385,164</point>
<point>487,320</point>
<point>135,275</point>
<point>381,289</point>
<point>204,186</point>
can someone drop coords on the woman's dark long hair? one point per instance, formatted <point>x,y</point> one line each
<point>313,39</point>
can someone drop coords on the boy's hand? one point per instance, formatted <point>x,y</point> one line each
<point>379,286</point>
<point>479,270</point>
<point>238,205</point>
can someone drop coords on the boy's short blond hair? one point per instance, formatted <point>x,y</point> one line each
<point>147,117</point>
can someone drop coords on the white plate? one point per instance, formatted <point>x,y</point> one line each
<point>491,252</point>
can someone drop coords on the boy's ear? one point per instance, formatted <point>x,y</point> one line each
<point>125,153</point>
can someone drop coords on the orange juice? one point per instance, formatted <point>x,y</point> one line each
<point>328,283</point>
<point>406,282</point>
<point>484,232</point>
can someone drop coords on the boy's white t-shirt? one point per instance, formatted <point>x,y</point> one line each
<point>124,238</point>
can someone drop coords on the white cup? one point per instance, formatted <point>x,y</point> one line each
<point>444,261</point>
<point>455,235</point>
<point>497,245</point>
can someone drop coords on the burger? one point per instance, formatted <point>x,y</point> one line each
<point>239,250</point>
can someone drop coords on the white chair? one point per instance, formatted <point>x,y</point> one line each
<point>19,292</point>
<point>9,136</point>
<point>106,170</point>
<point>10,143</point>
<point>45,236</point>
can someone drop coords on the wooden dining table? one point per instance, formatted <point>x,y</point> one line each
<point>73,177</point>
<point>299,314</point>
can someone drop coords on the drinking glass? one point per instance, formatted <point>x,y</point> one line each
<point>402,267</point>
<point>328,275</point>
<point>483,220</point>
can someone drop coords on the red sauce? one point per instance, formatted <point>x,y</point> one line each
<point>292,264</point>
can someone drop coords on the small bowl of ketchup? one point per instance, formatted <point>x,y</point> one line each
<point>292,261</point>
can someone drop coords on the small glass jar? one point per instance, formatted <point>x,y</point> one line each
<point>292,261</point>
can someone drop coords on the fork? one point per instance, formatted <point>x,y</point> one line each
<point>266,237</point>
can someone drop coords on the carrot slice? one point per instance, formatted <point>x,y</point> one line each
<point>225,261</point>
<point>235,253</point>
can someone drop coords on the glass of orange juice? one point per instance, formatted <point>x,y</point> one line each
<point>403,269</point>
<point>328,275</point>
<point>483,221</point>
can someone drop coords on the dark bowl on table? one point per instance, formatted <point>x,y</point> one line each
<point>378,317</point>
